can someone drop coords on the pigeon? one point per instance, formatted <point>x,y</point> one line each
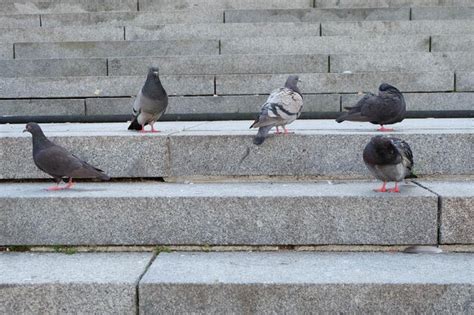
<point>282,107</point>
<point>150,103</point>
<point>386,108</point>
<point>58,162</point>
<point>388,159</point>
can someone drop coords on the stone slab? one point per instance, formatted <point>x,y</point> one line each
<point>315,15</point>
<point>221,64</point>
<point>100,283</point>
<point>402,62</point>
<point>78,33</point>
<point>389,3</point>
<point>115,49</point>
<point>457,215</point>
<point>6,51</point>
<point>100,86</point>
<point>219,30</point>
<point>452,43</point>
<point>65,6</point>
<point>19,20</point>
<point>53,67</point>
<point>33,107</point>
<point>297,283</point>
<point>426,101</point>
<point>336,82</point>
<point>438,27</point>
<point>325,45</point>
<point>465,81</point>
<point>217,214</point>
<point>168,5</point>
<point>442,13</point>
<point>131,18</point>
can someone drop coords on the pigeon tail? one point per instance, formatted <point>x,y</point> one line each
<point>135,125</point>
<point>261,134</point>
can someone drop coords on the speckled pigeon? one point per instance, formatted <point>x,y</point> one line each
<point>58,162</point>
<point>388,159</point>
<point>150,103</point>
<point>388,107</point>
<point>282,107</point>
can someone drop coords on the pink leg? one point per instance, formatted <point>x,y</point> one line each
<point>382,128</point>
<point>69,184</point>
<point>395,189</point>
<point>153,128</point>
<point>286,130</point>
<point>278,131</point>
<point>382,189</point>
<point>54,188</point>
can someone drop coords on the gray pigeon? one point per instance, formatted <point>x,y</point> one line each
<point>150,103</point>
<point>57,162</point>
<point>386,108</point>
<point>282,107</point>
<point>388,159</point>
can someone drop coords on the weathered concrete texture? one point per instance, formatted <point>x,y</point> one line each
<point>298,283</point>
<point>6,51</point>
<point>211,104</point>
<point>442,13</point>
<point>465,81</point>
<point>315,15</point>
<point>452,43</point>
<point>219,30</point>
<point>457,215</point>
<point>402,62</point>
<point>101,86</point>
<point>438,27</point>
<point>96,283</point>
<point>336,82</point>
<point>65,6</point>
<point>167,5</point>
<point>389,3</point>
<point>42,107</point>
<point>131,18</point>
<point>78,33</point>
<point>53,67</point>
<point>19,20</point>
<point>115,49</point>
<point>324,45</point>
<point>221,64</point>
<point>425,101</point>
<point>218,214</point>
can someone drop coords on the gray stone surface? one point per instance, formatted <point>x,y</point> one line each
<point>465,81</point>
<point>19,20</point>
<point>53,67</point>
<point>457,215</point>
<point>426,101</point>
<point>28,87</point>
<point>6,51</point>
<point>299,283</point>
<point>77,33</point>
<point>442,13</point>
<point>402,62</point>
<point>336,82</point>
<point>219,30</point>
<point>389,3</point>
<point>221,64</point>
<point>65,6</point>
<point>452,43</point>
<point>324,45</point>
<point>315,15</point>
<point>99,283</point>
<point>114,49</point>
<point>217,214</point>
<point>438,27</point>
<point>167,5</point>
<point>42,107</point>
<point>131,18</point>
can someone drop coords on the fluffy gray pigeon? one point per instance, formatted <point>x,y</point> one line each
<point>150,103</point>
<point>388,159</point>
<point>57,162</point>
<point>282,107</point>
<point>386,108</point>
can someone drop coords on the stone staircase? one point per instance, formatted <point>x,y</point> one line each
<point>291,226</point>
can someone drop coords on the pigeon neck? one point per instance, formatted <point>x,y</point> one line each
<point>294,88</point>
<point>153,88</point>
<point>40,140</point>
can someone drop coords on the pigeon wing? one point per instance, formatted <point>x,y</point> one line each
<point>405,151</point>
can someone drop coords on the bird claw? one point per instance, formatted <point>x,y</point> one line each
<point>54,188</point>
<point>384,129</point>
<point>380,190</point>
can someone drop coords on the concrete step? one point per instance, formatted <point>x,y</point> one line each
<point>390,3</point>
<point>167,5</point>
<point>6,51</point>
<point>224,148</point>
<point>65,6</point>
<point>465,81</point>
<point>236,213</point>
<point>452,43</point>
<point>98,283</point>
<point>442,13</point>
<point>296,283</point>
<point>54,67</point>
<point>19,20</point>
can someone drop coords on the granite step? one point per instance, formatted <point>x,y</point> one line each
<point>167,5</point>
<point>442,13</point>
<point>65,6</point>
<point>452,43</point>
<point>390,3</point>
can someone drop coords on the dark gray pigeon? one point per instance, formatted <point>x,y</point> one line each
<point>282,107</point>
<point>386,108</point>
<point>388,159</point>
<point>150,103</point>
<point>58,162</point>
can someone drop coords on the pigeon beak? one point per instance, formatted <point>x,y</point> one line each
<point>155,72</point>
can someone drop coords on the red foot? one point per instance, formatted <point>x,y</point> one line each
<point>381,189</point>
<point>69,185</point>
<point>394,189</point>
<point>153,130</point>
<point>382,128</point>
<point>54,188</point>
<point>278,131</point>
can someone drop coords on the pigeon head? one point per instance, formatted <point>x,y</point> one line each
<point>385,149</point>
<point>153,72</point>
<point>385,87</point>
<point>33,128</point>
<point>292,83</point>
